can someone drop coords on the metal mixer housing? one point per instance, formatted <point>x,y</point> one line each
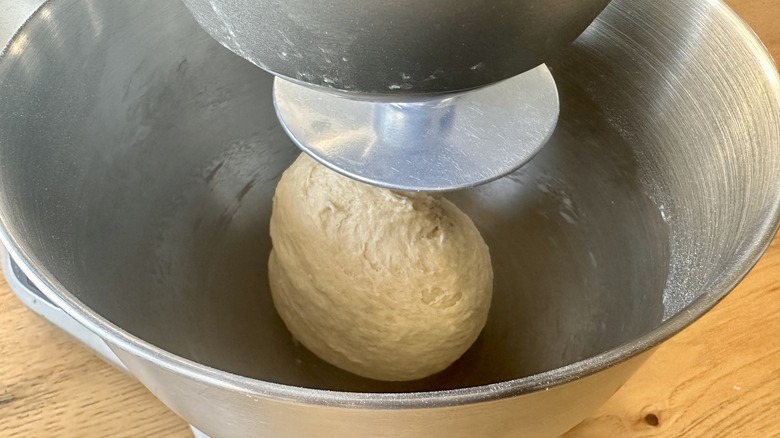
<point>396,47</point>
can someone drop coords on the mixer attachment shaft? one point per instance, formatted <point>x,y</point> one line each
<point>434,143</point>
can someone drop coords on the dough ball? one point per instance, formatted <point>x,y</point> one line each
<point>387,285</point>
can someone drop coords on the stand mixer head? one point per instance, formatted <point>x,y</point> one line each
<point>412,95</point>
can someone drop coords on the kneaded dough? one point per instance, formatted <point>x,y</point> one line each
<point>388,285</point>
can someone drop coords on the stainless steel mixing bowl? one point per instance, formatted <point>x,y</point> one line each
<point>138,159</point>
<point>396,47</point>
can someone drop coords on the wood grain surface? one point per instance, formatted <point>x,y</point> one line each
<point>719,378</point>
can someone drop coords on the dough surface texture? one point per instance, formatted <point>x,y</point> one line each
<point>387,285</point>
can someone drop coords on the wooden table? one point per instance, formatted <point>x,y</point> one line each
<point>719,378</point>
